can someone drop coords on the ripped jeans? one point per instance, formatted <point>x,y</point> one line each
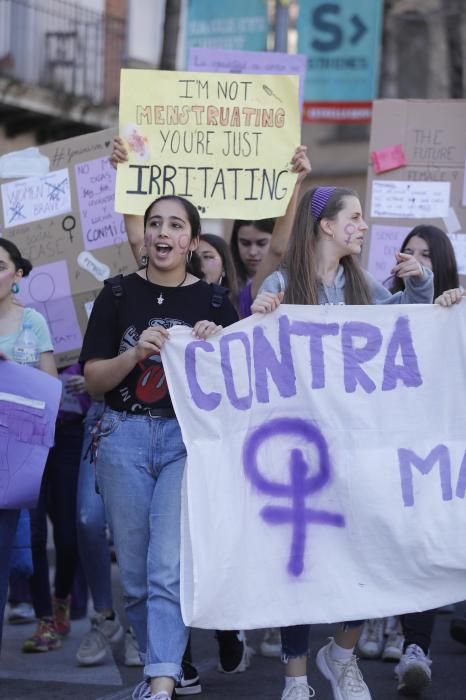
<point>295,639</point>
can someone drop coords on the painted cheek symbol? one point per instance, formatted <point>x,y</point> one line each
<point>301,483</point>
<point>148,239</point>
<point>183,242</point>
<point>350,230</point>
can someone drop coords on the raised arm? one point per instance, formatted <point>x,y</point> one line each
<point>283,226</point>
<point>134,223</point>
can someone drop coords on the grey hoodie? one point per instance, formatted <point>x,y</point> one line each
<point>418,290</point>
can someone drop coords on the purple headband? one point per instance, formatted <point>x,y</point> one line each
<point>319,201</point>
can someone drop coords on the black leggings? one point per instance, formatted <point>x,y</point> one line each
<point>58,500</point>
<point>418,628</point>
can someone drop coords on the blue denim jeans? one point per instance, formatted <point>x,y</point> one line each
<point>295,639</point>
<point>92,536</point>
<point>140,465</point>
<point>8,524</point>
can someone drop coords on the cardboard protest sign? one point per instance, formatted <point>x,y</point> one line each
<point>222,141</point>
<point>423,187</point>
<point>321,440</point>
<point>65,223</point>
<point>29,402</point>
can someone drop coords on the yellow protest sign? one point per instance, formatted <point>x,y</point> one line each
<point>223,141</point>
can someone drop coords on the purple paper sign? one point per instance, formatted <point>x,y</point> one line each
<point>100,223</point>
<point>385,242</point>
<point>255,62</point>
<point>29,401</point>
<point>48,290</point>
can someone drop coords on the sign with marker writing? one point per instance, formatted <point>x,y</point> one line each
<point>410,200</point>
<point>65,223</point>
<point>315,447</point>
<point>431,137</point>
<point>35,198</point>
<point>101,225</point>
<point>385,243</point>
<point>223,141</point>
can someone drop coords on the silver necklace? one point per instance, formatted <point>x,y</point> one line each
<point>161,298</point>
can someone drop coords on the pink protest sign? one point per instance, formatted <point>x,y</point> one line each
<point>388,158</point>
<point>254,62</point>
<point>48,290</point>
<point>29,401</point>
<point>385,242</point>
<point>101,225</point>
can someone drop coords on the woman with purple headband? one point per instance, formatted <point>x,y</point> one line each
<point>327,237</point>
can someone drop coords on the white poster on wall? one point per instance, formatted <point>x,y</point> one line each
<point>408,199</point>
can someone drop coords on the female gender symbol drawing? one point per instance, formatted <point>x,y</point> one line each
<point>302,483</point>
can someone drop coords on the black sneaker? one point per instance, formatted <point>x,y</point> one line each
<point>234,655</point>
<point>190,683</point>
<point>458,629</point>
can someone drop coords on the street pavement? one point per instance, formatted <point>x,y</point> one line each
<point>55,675</point>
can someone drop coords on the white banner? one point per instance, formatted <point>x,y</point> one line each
<point>326,466</point>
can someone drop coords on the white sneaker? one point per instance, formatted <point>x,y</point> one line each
<point>271,644</point>
<point>371,641</point>
<point>298,691</point>
<point>393,648</point>
<point>344,676</point>
<point>392,624</point>
<point>413,671</point>
<point>21,614</point>
<point>143,692</point>
<point>132,656</point>
<point>94,644</point>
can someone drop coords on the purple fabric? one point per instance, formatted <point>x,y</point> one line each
<point>245,301</point>
<point>26,432</point>
<point>319,201</point>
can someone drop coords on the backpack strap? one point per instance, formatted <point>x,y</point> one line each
<point>116,285</point>
<point>218,295</point>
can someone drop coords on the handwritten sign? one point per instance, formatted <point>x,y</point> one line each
<point>80,243</point>
<point>315,430</point>
<point>253,62</point>
<point>101,225</point>
<point>432,136</point>
<point>411,200</point>
<point>222,141</point>
<point>385,242</point>
<point>35,198</point>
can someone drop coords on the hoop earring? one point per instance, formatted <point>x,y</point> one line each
<point>189,256</point>
<point>15,288</point>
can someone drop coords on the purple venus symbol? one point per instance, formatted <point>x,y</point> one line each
<point>301,483</point>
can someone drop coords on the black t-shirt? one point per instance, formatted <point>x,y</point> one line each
<point>117,322</point>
